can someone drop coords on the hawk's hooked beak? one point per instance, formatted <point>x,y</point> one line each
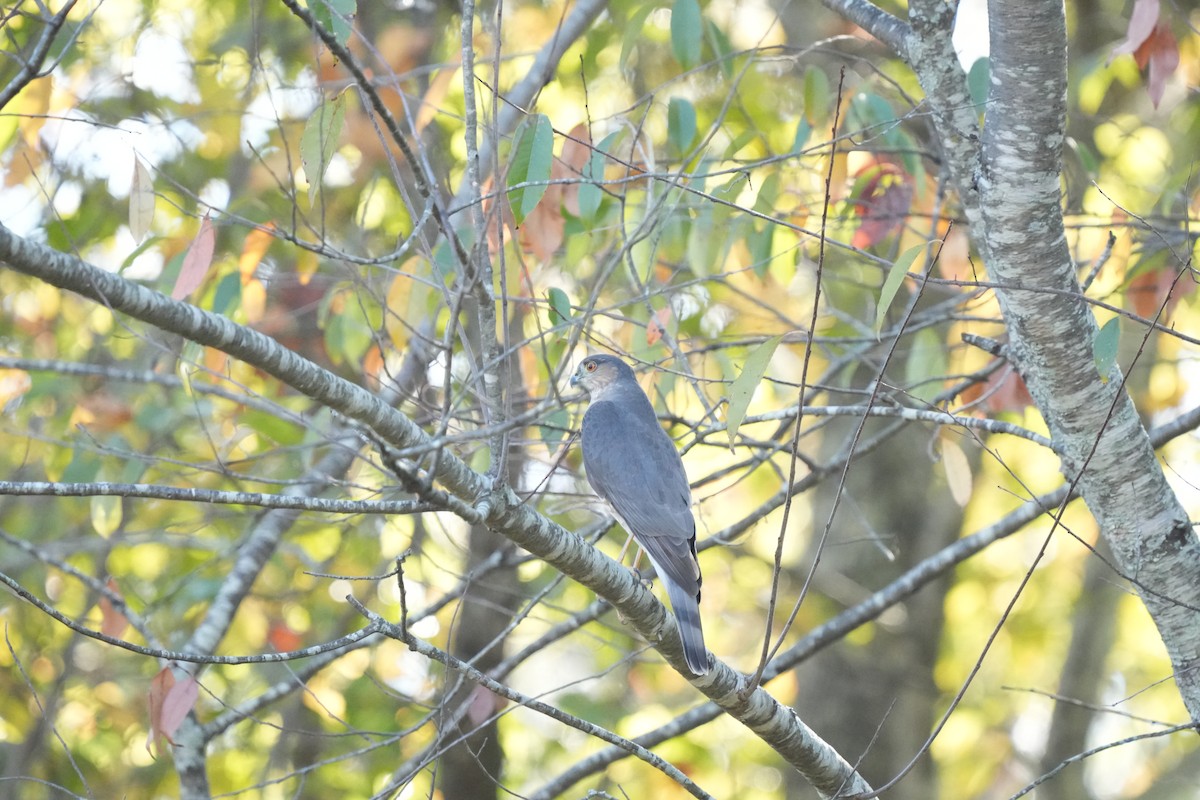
<point>575,380</point>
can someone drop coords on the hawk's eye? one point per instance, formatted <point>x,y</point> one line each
<point>590,366</point>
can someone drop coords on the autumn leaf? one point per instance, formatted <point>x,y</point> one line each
<point>253,249</point>
<point>1004,390</point>
<point>1150,41</point>
<point>112,621</point>
<point>282,638</point>
<point>197,261</point>
<point>882,196</point>
<point>1154,289</point>
<point>657,326</point>
<point>170,703</point>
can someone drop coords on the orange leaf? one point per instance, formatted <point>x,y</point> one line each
<point>253,250</point>
<point>1004,390</point>
<point>657,326</point>
<point>197,261</point>
<point>373,366</point>
<point>112,622</point>
<point>283,638</point>
<point>1149,290</point>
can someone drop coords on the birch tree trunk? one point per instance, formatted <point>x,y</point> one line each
<point>1009,179</point>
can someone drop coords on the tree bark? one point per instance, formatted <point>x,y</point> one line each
<point>1096,430</point>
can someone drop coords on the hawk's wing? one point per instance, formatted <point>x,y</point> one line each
<point>634,466</point>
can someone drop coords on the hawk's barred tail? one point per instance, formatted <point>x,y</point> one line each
<point>687,616</point>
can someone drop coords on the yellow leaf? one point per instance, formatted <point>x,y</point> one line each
<point>106,514</point>
<point>398,298</point>
<point>254,300</point>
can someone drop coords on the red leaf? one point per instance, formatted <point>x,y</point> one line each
<point>882,202</point>
<point>196,262</point>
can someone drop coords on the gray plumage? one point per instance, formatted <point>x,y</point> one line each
<point>633,465</point>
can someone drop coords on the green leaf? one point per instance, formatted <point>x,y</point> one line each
<point>720,44</point>
<point>891,284</point>
<point>554,429</point>
<point>633,30</point>
<point>978,79</point>
<point>687,30</point>
<point>560,306</point>
<point>768,194</point>
<point>744,385</point>
<point>84,467</point>
<point>1104,348</point>
<point>590,193</point>
<point>334,16</point>
<point>319,141</point>
<point>228,295</point>
<point>530,168</point>
<point>816,96</point>
<point>681,124</point>
<point>702,246</point>
<point>760,243</point>
<point>277,429</point>
<point>744,138</point>
<point>141,248</point>
<point>926,365</point>
<point>803,132</point>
